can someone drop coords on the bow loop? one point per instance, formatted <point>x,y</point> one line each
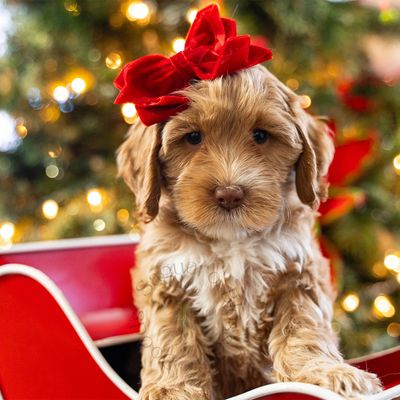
<point>212,49</point>
<point>146,78</point>
<point>207,30</point>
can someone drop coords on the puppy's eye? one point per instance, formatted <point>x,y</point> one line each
<point>260,136</point>
<point>194,138</point>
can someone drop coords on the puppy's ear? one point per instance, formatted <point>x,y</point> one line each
<point>314,161</point>
<point>138,165</point>
<point>316,156</point>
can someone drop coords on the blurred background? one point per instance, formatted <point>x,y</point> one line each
<point>59,129</point>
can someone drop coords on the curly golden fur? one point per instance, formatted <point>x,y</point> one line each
<point>234,299</point>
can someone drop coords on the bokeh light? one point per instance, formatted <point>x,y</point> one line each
<point>137,10</point>
<point>21,130</point>
<point>383,307</point>
<point>50,209</point>
<point>392,262</point>
<point>94,197</point>
<point>99,225</point>
<point>123,215</point>
<point>292,83</point>
<point>78,85</point>
<point>6,24</point>
<point>305,101</point>
<point>52,171</point>
<point>55,151</point>
<point>396,163</point>
<point>7,230</point>
<point>9,139</point>
<point>350,302</point>
<point>178,44</point>
<point>113,60</point>
<point>393,329</point>
<point>60,94</point>
<point>191,15</point>
<point>128,110</point>
<point>72,7</point>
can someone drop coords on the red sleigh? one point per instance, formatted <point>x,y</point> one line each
<point>62,302</point>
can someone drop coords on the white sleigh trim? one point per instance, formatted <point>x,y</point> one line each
<point>66,244</point>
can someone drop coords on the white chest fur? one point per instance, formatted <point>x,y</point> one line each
<point>233,276</point>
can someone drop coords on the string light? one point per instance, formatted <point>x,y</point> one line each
<point>72,7</point>
<point>292,83</point>
<point>55,152</point>
<point>128,110</point>
<point>383,307</point>
<point>138,10</point>
<point>305,101</point>
<point>379,270</point>
<point>9,140</point>
<point>50,113</point>
<point>94,197</point>
<point>60,94</point>
<point>396,163</point>
<point>393,329</point>
<point>7,231</point>
<point>351,302</point>
<point>78,85</point>
<point>21,130</point>
<point>191,15</point>
<point>52,171</point>
<point>99,225</point>
<point>80,79</point>
<point>50,209</point>
<point>129,113</point>
<point>178,44</point>
<point>113,60</point>
<point>392,262</point>
<point>123,215</point>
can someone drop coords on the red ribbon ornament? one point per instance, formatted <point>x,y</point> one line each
<point>212,49</point>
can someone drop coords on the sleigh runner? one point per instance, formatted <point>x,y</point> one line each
<point>62,302</point>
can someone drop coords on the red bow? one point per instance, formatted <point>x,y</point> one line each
<point>212,49</point>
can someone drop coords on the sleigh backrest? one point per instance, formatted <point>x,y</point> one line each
<point>93,274</point>
<point>45,353</point>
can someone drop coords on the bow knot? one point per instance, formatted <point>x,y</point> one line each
<point>212,49</point>
<point>182,65</point>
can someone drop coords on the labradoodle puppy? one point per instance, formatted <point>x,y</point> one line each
<point>232,287</point>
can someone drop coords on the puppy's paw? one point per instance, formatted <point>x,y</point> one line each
<point>184,392</point>
<point>348,381</point>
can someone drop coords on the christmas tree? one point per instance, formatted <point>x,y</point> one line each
<point>60,128</point>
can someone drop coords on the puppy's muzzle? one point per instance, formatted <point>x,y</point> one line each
<point>229,197</point>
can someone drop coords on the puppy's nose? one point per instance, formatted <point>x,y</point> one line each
<point>229,197</point>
